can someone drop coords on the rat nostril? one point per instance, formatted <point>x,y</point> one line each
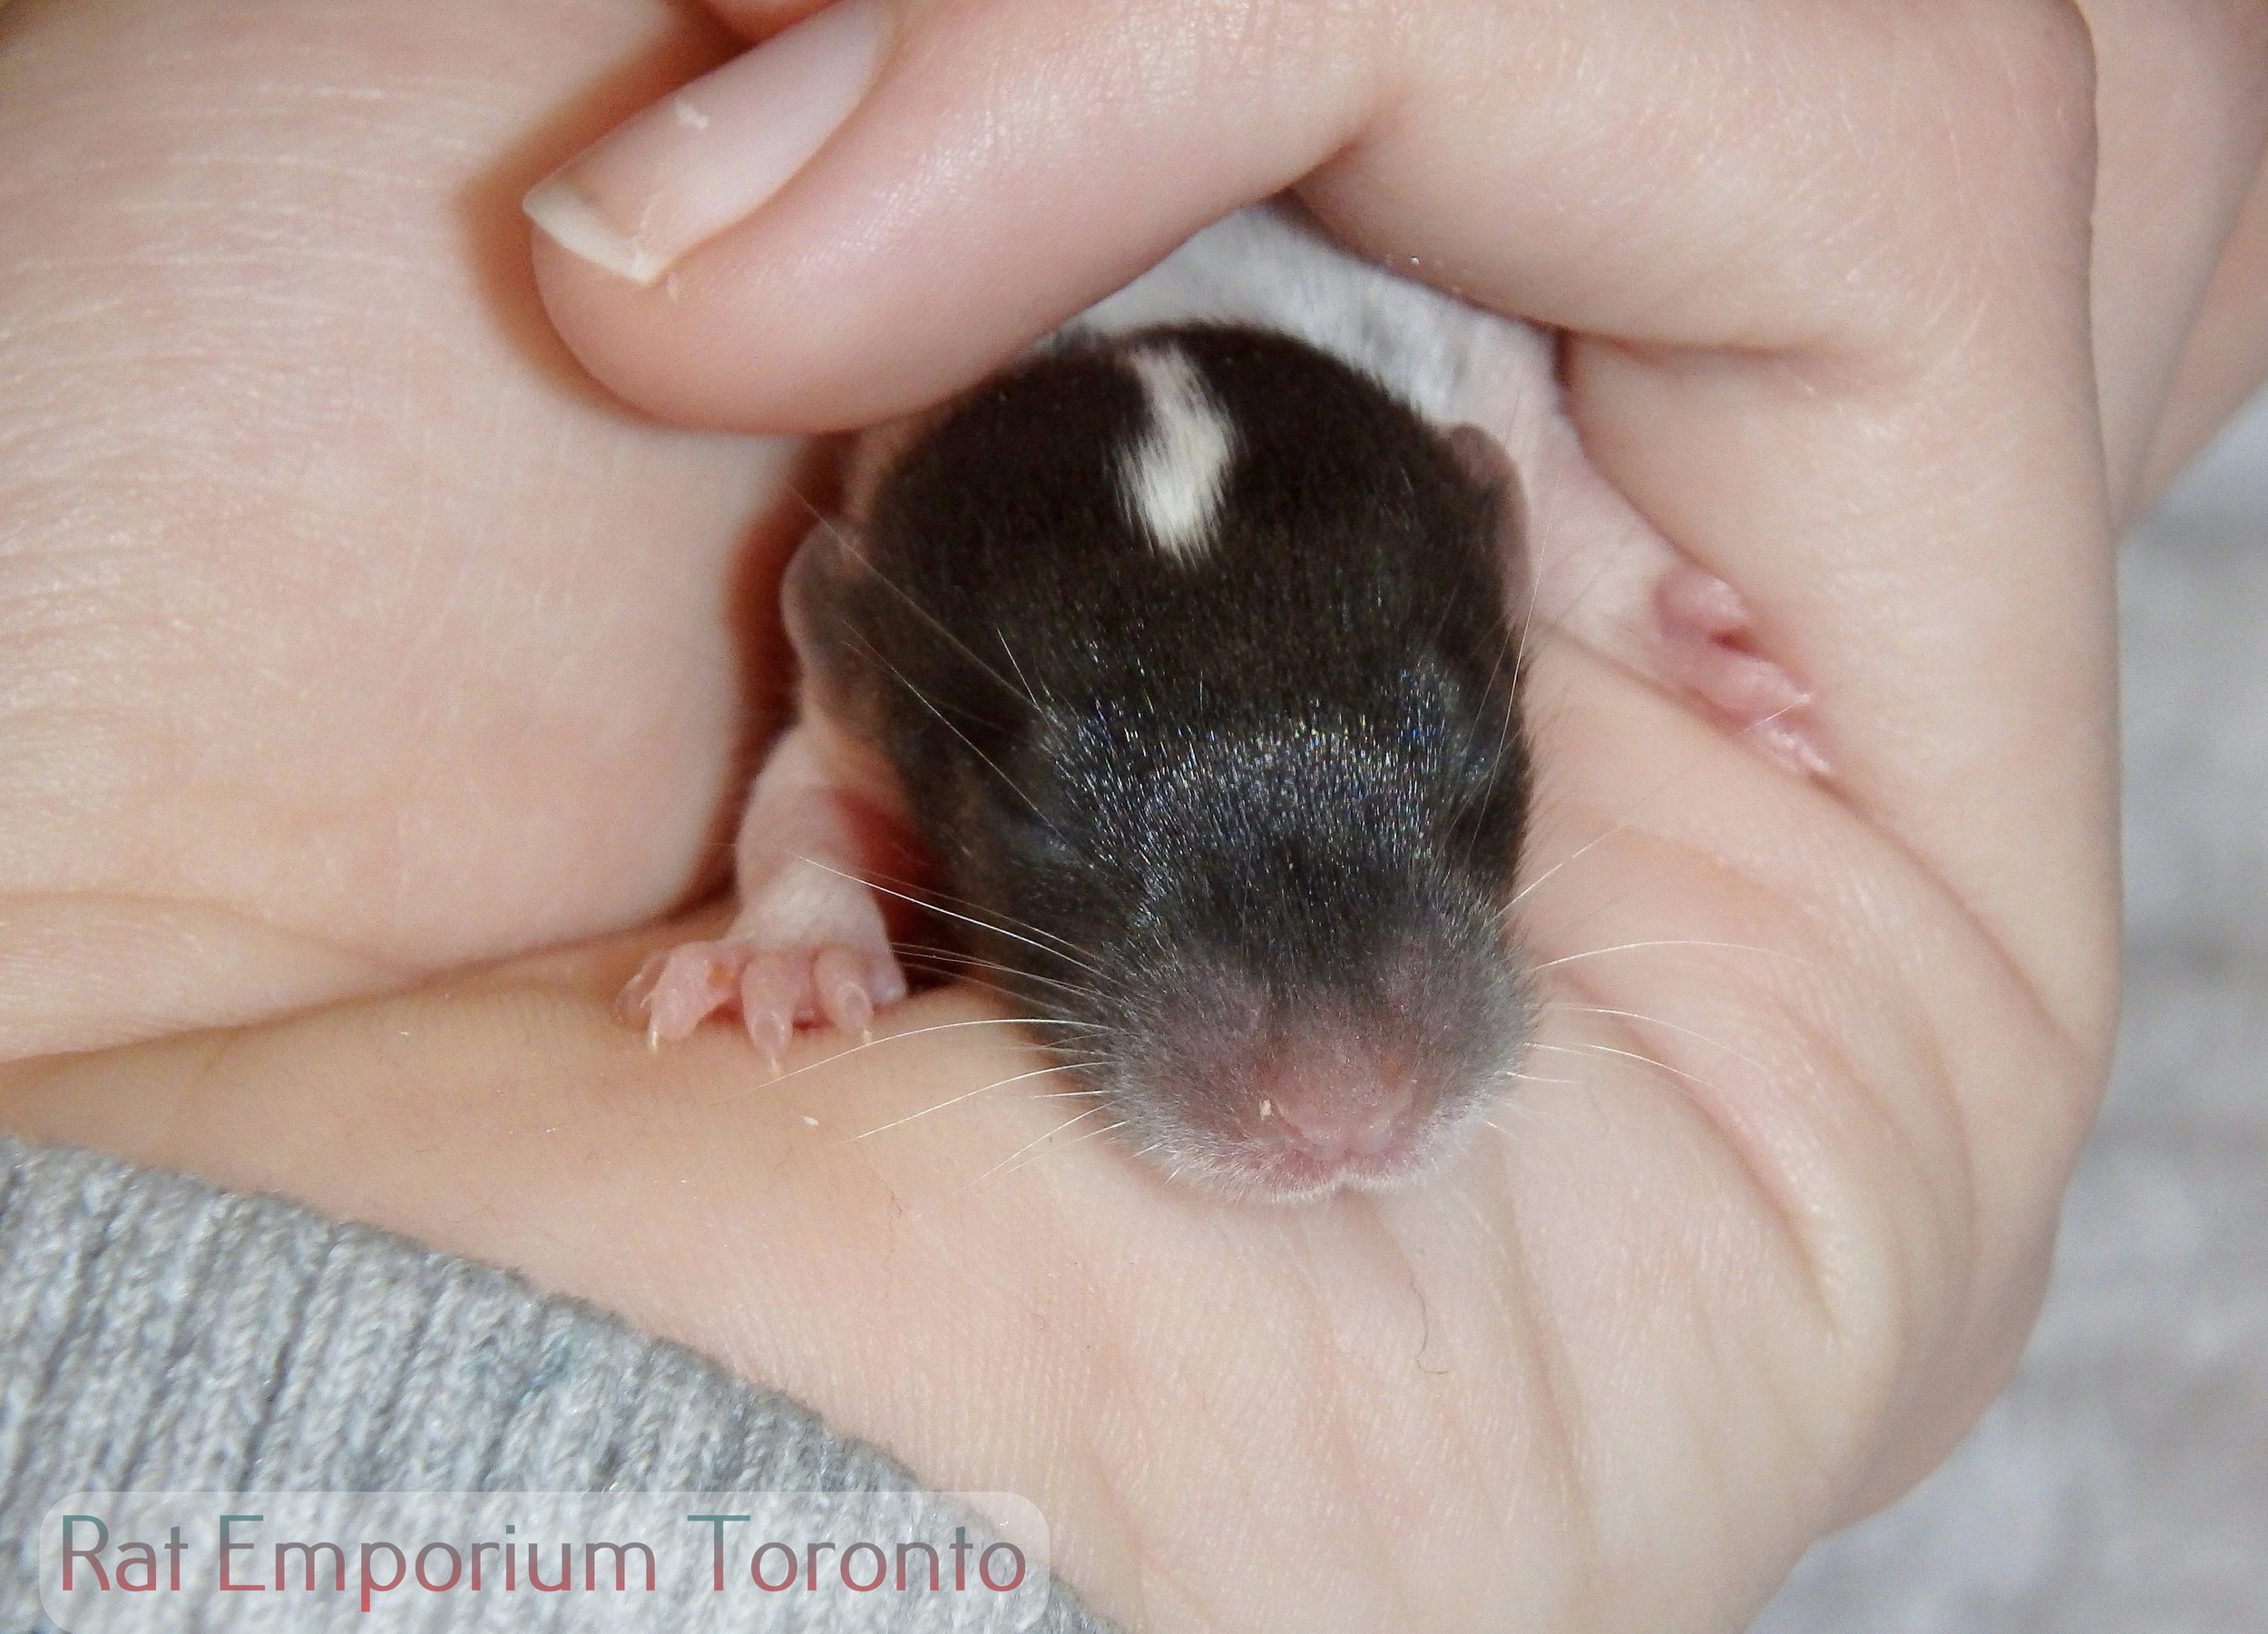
<point>1333,1122</point>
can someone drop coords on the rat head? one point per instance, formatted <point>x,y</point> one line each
<point>1192,651</point>
<point>1279,939</point>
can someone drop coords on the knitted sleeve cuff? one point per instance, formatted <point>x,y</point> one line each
<point>157,1333</point>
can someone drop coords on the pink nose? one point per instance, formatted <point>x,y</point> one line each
<point>1337,1123</point>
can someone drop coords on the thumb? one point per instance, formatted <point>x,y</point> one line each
<point>886,199</point>
<point>883,201</point>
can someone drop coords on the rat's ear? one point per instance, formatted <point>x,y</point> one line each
<point>1488,467</point>
<point>1482,458</point>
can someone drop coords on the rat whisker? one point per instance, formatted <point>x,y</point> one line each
<point>1661,1069</point>
<point>1507,751</point>
<point>1509,725</point>
<point>998,917</point>
<point>1625,947</point>
<point>953,963</point>
<point>956,1099</point>
<point>1526,625</point>
<point>946,721</point>
<point>1638,891</point>
<point>1040,1140</point>
<point>848,542</point>
<point>1106,1129</point>
<point>1520,1077</point>
<point>958,952</point>
<point>880,1038</point>
<point>1085,1052</point>
<point>1633,1015</point>
<point>1630,818</point>
<point>1519,1112</point>
<point>1521,894</point>
<point>1031,693</point>
<point>948,913</point>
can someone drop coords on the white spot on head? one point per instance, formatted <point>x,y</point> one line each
<point>1177,472</point>
<point>691,117</point>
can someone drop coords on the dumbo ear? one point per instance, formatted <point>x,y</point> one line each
<point>1489,468</point>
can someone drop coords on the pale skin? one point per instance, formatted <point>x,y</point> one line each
<point>354,637</point>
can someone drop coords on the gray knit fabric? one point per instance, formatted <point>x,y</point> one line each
<point>158,1333</point>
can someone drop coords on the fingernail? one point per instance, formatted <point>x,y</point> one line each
<point>687,169</point>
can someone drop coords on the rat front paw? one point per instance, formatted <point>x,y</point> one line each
<point>773,989</point>
<point>1707,630</point>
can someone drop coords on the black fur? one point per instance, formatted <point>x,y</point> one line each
<point>1279,787</point>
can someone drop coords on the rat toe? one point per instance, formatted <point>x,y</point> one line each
<point>772,996</point>
<point>1707,632</point>
<point>674,992</point>
<point>839,976</point>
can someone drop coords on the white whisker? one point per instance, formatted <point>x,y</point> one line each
<point>966,1095</point>
<point>944,720</point>
<point>1633,1015</point>
<point>1624,947</point>
<point>1107,1129</point>
<point>886,1038</point>
<point>1027,1146</point>
<point>1630,819</point>
<point>998,917</point>
<point>948,913</point>
<point>847,542</point>
<point>1660,1067</point>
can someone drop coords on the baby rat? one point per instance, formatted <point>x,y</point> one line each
<point>1185,648</point>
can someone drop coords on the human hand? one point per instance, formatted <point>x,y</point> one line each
<point>1742,1279</point>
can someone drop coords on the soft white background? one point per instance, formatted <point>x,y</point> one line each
<point>2120,1486</point>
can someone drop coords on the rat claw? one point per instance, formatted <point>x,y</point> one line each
<point>840,977</point>
<point>631,1006</point>
<point>884,981</point>
<point>770,1041</point>
<point>770,996</point>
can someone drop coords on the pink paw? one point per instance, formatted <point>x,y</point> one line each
<point>1707,628</point>
<point>775,990</point>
